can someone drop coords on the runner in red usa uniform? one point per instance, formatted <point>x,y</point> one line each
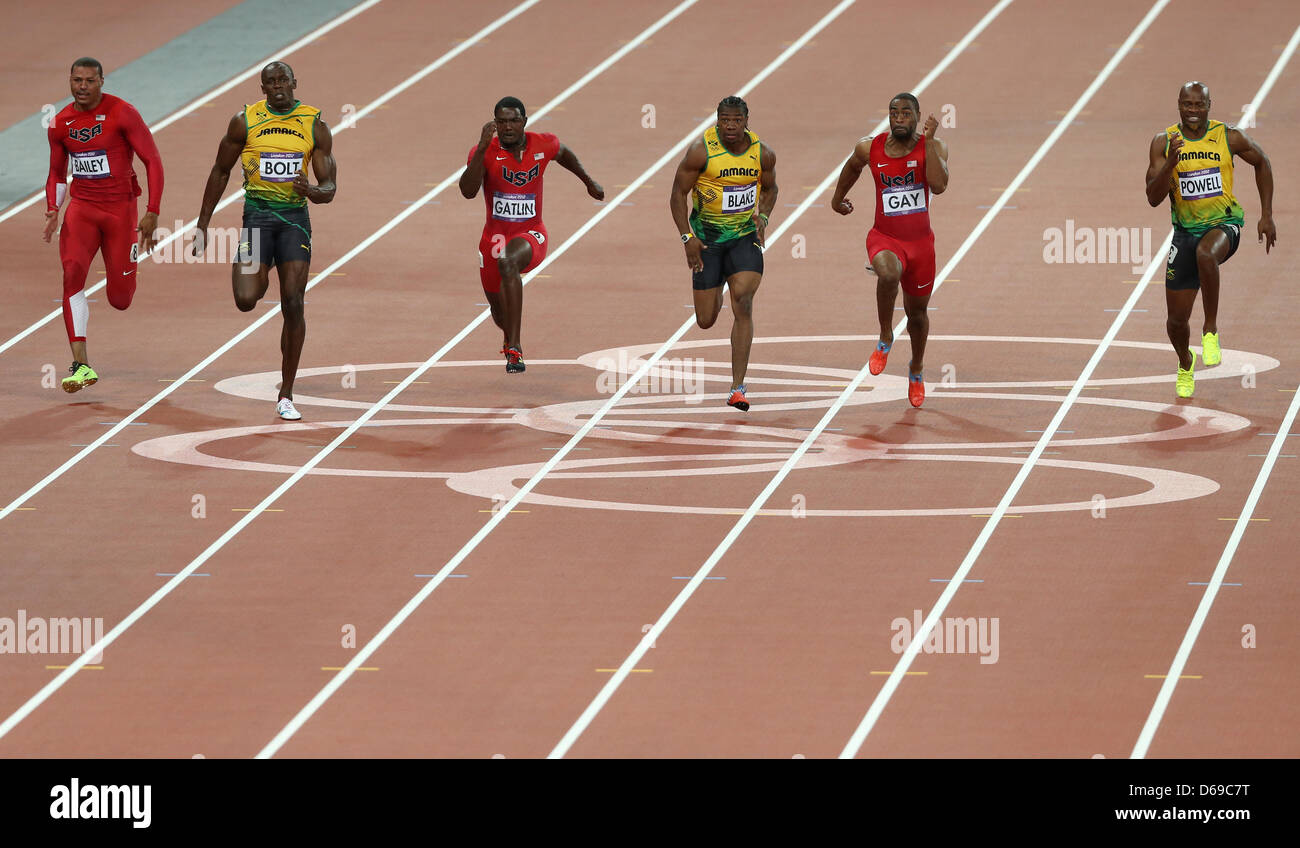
<point>95,137</point>
<point>907,169</point>
<point>509,164</point>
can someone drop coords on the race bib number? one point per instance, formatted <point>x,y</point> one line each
<point>903,200</point>
<point>514,207</point>
<point>90,165</point>
<point>739,198</point>
<point>1196,185</point>
<point>279,167</point>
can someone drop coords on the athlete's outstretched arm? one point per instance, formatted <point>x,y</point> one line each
<point>471,180</point>
<point>56,184</point>
<point>936,158</point>
<point>688,173</point>
<point>859,159</point>
<point>322,165</point>
<point>141,141</point>
<point>232,143</point>
<point>767,193</point>
<point>568,160</point>
<point>1160,170</point>
<point>1244,146</point>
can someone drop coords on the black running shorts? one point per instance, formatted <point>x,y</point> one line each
<point>1181,272</point>
<point>272,236</point>
<point>729,257</point>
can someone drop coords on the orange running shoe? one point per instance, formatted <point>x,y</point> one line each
<point>879,357</point>
<point>737,398</point>
<point>916,389</point>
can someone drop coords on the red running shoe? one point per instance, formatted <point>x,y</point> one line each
<point>514,359</point>
<point>737,399</point>
<point>916,389</point>
<point>879,357</point>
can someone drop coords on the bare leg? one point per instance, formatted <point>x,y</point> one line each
<point>518,254</point>
<point>918,329</point>
<point>1177,325</point>
<point>708,305</point>
<point>249,283</point>
<point>1210,251</point>
<point>888,271</point>
<point>743,286</point>
<point>293,287</point>
<point>497,306</point>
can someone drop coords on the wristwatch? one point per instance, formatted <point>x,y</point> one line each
<point>687,237</point>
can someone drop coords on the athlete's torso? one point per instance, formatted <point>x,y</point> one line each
<point>99,155</point>
<point>727,191</point>
<point>1200,191</point>
<point>902,193</point>
<point>277,149</point>
<point>512,184</point>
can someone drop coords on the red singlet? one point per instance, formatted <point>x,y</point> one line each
<point>902,194</point>
<point>99,144</point>
<point>512,193</point>
<point>902,223</point>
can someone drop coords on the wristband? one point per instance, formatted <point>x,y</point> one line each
<point>686,237</point>
<point>764,217</point>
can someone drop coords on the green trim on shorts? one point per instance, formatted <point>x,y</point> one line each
<point>268,204</point>
<point>1201,229</point>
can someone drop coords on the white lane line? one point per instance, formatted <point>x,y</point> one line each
<point>1248,118</point>
<point>1243,520</point>
<point>647,641</point>
<point>1212,589</point>
<point>54,685</point>
<point>375,104</point>
<point>504,510</point>
<point>223,88</point>
<point>247,331</point>
<point>963,570</point>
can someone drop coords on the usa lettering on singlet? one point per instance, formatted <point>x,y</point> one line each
<point>902,193</point>
<point>513,181</point>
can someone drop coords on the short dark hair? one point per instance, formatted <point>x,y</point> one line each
<point>510,103</point>
<point>87,62</point>
<point>733,102</point>
<point>277,64</point>
<point>907,95</point>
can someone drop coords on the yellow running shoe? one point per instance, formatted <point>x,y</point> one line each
<point>1185,383</point>
<point>1210,353</point>
<point>82,375</point>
